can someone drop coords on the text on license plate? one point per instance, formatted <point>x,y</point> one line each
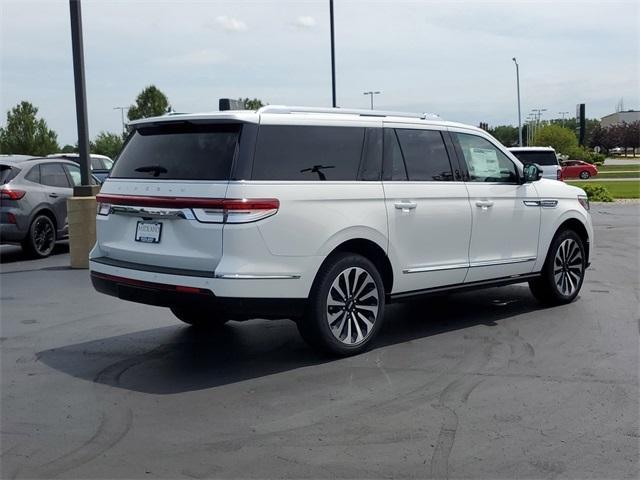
<point>148,232</point>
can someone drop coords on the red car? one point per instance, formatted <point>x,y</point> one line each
<point>578,169</point>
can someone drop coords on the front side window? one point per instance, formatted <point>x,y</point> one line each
<point>425,155</point>
<point>307,153</point>
<point>53,175</point>
<point>485,162</point>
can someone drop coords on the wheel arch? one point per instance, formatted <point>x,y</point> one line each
<point>578,227</point>
<point>44,210</point>
<point>370,250</point>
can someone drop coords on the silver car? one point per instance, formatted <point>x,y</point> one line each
<point>33,201</point>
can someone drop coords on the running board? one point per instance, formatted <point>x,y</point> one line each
<point>460,287</point>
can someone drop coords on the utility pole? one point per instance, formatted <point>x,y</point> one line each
<point>519,114</point>
<point>333,56</point>
<point>371,93</point>
<point>563,114</point>
<point>537,113</point>
<point>122,109</point>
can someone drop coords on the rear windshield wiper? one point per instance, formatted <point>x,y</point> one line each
<point>156,170</point>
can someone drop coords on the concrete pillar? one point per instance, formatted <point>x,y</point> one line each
<point>81,213</point>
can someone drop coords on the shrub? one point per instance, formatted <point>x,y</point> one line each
<point>597,193</point>
<point>581,153</point>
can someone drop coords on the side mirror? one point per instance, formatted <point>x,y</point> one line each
<point>532,172</point>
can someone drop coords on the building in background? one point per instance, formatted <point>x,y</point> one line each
<point>629,116</point>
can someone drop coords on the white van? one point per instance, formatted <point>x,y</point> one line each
<point>324,216</point>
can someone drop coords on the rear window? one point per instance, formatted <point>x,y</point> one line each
<point>307,153</point>
<point>541,158</point>
<point>181,151</point>
<point>7,172</point>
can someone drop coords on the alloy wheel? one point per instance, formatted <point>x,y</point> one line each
<point>352,306</point>
<point>43,236</point>
<point>568,267</point>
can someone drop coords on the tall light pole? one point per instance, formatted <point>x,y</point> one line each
<point>333,56</point>
<point>563,114</point>
<point>371,93</point>
<point>81,98</point>
<point>519,114</point>
<point>122,109</point>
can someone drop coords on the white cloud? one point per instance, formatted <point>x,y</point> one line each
<point>305,21</point>
<point>193,59</point>
<point>231,24</point>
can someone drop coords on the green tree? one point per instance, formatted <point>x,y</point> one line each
<point>251,103</point>
<point>108,144</point>
<point>561,139</point>
<point>151,102</point>
<point>69,149</point>
<point>506,134</point>
<point>25,134</point>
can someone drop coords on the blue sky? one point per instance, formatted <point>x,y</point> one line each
<point>452,58</point>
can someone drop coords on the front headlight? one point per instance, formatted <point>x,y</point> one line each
<point>584,201</point>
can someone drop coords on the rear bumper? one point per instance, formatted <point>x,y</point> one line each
<point>11,233</point>
<point>171,295</point>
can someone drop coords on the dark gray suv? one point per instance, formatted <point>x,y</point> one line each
<point>33,201</point>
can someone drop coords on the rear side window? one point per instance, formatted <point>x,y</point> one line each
<point>53,175</point>
<point>541,158</point>
<point>181,151</point>
<point>7,172</point>
<point>425,155</point>
<point>394,168</point>
<point>34,174</point>
<point>307,153</point>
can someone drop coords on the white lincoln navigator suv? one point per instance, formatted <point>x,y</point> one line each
<point>324,216</point>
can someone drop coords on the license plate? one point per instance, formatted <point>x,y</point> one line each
<point>148,232</point>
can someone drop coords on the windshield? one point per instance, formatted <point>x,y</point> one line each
<point>541,158</point>
<point>179,151</point>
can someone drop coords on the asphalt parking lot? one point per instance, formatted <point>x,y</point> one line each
<point>480,385</point>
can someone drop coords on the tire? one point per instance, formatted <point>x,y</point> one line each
<point>198,317</point>
<point>563,271</point>
<point>336,322</point>
<point>41,238</point>
<point>584,175</point>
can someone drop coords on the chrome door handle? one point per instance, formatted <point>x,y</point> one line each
<point>53,195</point>
<point>484,204</point>
<point>406,206</point>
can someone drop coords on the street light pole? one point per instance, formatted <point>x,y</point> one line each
<point>122,109</point>
<point>371,93</point>
<point>519,114</point>
<point>81,98</point>
<point>333,56</point>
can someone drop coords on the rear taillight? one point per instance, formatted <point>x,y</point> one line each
<point>8,193</point>
<point>206,210</point>
<point>559,175</point>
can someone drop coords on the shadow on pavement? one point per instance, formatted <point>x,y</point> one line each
<point>180,358</point>
<point>14,253</point>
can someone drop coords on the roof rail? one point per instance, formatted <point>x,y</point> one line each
<point>346,111</point>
